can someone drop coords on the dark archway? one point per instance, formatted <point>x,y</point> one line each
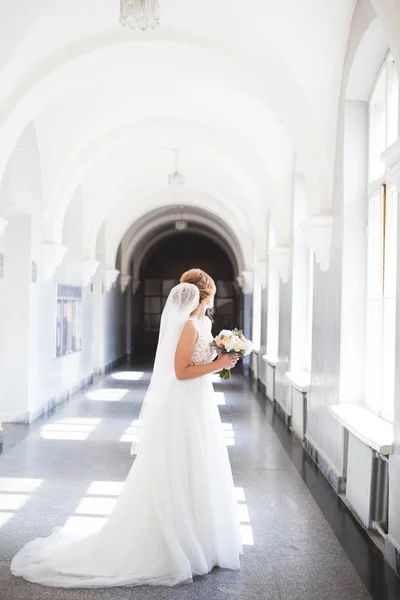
<point>161,270</point>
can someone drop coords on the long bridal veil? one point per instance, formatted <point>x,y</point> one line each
<point>176,516</point>
<point>182,301</point>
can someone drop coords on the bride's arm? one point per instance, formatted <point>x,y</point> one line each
<point>184,353</point>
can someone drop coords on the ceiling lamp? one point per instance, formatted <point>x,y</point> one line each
<point>176,178</point>
<point>141,14</point>
<point>181,224</point>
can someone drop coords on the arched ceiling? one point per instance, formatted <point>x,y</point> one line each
<point>243,89</point>
<point>159,224</point>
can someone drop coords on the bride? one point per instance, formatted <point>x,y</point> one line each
<point>176,516</point>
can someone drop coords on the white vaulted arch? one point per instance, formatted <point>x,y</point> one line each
<point>118,222</point>
<point>161,222</point>
<point>86,65</point>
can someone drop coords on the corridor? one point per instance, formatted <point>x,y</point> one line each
<point>68,469</point>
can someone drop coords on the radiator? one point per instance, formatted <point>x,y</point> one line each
<point>270,385</point>
<point>367,483</point>
<point>299,412</point>
<point>254,364</point>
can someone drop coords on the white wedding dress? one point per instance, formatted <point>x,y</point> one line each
<point>177,515</point>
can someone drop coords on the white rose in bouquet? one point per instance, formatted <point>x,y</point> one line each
<point>231,342</point>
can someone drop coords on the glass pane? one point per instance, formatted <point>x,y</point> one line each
<point>374,355</point>
<point>227,322</point>
<point>58,328</point>
<point>152,305</point>
<point>377,126</point>
<point>392,101</point>
<point>147,322</point>
<point>73,328</point>
<point>167,286</point>
<point>69,336</point>
<point>225,306</point>
<point>224,289</point>
<point>391,243</point>
<point>64,349</point>
<point>155,322</point>
<point>152,287</point>
<point>375,246</point>
<point>388,358</point>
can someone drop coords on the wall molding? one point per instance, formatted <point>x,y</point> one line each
<point>124,281</point>
<point>3,224</point>
<point>52,257</point>
<point>260,271</point>
<point>317,232</point>
<point>110,277</point>
<point>89,268</point>
<point>246,281</point>
<point>280,261</point>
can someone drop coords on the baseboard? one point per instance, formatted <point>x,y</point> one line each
<point>392,554</point>
<point>111,365</point>
<point>262,387</point>
<point>31,415</point>
<point>338,482</point>
<point>283,414</point>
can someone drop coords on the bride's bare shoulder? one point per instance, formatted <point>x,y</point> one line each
<point>190,328</point>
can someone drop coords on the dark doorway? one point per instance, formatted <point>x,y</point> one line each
<point>162,269</point>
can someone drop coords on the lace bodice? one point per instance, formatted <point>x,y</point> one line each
<point>202,353</point>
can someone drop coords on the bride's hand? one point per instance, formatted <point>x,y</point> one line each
<point>225,361</point>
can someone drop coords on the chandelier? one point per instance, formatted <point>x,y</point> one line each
<point>141,14</point>
<point>176,178</point>
<point>181,224</point>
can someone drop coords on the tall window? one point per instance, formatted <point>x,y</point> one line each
<point>68,320</point>
<point>156,292</point>
<point>310,308</point>
<point>383,116</point>
<point>382,247</point>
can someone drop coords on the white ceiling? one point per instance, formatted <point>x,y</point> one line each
<point>241,87</point>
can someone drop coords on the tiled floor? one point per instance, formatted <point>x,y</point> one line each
<point>291,550</point>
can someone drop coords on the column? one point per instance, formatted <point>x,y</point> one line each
<point>354,254</point>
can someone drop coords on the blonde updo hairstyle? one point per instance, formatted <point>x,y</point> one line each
<point>202,281</point>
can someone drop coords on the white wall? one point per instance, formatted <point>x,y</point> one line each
<point>32,378</point>
<point>282,386</point>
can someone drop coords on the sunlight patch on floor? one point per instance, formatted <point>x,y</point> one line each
<point>105,488</point>
<point>93,510</point>
<point>69,429</point>
<point>246,530</point>
<point>107,395</point>
<point>17,484</point>
<point>14,494</point>
<point>130,434</point>
<point>128,375</point>
<point>228,433</point>
<point>220,398</point>
<point>96,506</point>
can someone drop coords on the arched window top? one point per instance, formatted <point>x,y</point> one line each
<point>383,116</point>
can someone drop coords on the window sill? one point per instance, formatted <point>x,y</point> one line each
<point>301,380</point>
<point>271,360</point>
<point>365,425</point>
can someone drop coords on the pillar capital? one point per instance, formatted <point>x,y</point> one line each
<point>246,281</point>
<point>3,224</point>
<point>52,257</point>
<point>260,272</point>
<point>124,281</point>
<point>280,261</point>
<point>89,268</point>
<point>317,233</point>
<point>391,158</point>
<point>110,277</point>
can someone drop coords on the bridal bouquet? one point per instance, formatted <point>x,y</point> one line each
<point>233,343</point>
